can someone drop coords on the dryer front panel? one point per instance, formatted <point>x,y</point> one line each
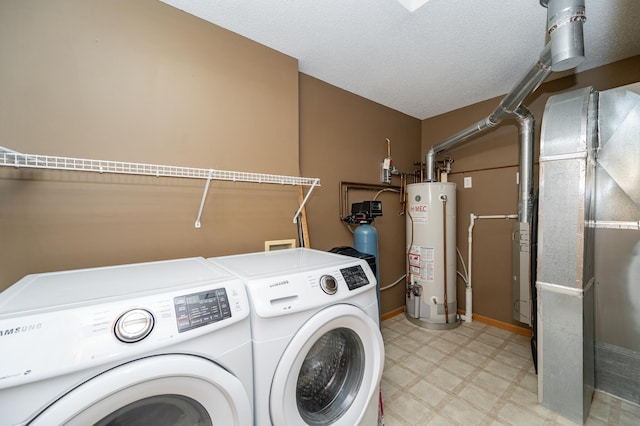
<point>330,371</point>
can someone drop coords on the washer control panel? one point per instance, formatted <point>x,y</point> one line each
<point>198,309</point>
<point>355,277</point>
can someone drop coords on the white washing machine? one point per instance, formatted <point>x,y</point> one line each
<point>318,351</point>
<point>159,343</point>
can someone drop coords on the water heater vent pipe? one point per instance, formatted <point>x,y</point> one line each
<point>538,72</point>
<point>565,51</point>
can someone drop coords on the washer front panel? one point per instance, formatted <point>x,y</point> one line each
<point>221,395</point>
<point>40,346</point>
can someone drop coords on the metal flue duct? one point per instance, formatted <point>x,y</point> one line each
<point>510,107</point>
<point>564,25</point>
<point>564,51</point>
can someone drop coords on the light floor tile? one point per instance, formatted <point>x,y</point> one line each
<point>391,419</point>
<point>467,331</point>
<point>408,343</point>
<point>600,407</point>
<point>389,334</point>
<point>419,337</point>
<point>481,348</point>
<point>462,412</point>
<point>473,358</point>
<point>498,332</point>
<point>514,360</point>
<point>500,369</point>
<point>444,345</point>
<point>431,354</point>
<point>429,393</point>
<point>592,421</point>
<point>443,379</point>
<point>515,415</point>
<point>389,389</point>
<point>409,409</point>
<point>631,408</point>
<point>478,396</point>
<point>457,339</point>
<point>399,375</point>
<point>418,365</point>
<point>457,367</point>
<point>519,349</point>
<point>438,420</point>
<point>530,383</point>
<point>394,352</point>
<point>491,340</point>
<point>627,418</point>
<point>475,374</point>
<point>491,383</point>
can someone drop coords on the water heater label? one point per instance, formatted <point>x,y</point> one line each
<point>422,262</point>
<point>419,213</point>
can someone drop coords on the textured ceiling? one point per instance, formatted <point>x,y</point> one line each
<point>445,55</point>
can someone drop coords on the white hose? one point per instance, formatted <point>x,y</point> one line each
<point>394,283</point>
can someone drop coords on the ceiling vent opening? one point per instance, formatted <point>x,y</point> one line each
<point>412,5</point>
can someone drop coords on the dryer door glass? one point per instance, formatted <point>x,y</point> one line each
<point>330,376</point>
<point>160,410</point>
<point>330,370</point>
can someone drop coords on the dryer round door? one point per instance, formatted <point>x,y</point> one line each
<point>330,371</point>
<point>159,390</point>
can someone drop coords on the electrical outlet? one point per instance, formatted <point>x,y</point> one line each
<point>467,182</point>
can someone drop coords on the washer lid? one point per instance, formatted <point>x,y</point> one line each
<point>65,288</point>
<point>280,262</point>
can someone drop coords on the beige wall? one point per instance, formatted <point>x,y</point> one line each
<point>491,161</point>
<point>342,138</point>
<point>143,82</point>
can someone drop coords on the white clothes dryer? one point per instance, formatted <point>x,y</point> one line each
<point>158,343</point>
<point>318,350</point>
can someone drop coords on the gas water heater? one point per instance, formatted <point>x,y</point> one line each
<point>431,255</point>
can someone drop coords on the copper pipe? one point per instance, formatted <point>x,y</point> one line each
<point>444,234</point>
<point>346,186</point>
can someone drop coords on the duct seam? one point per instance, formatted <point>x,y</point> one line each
<point>561,157</point>
<point>570,15</point>
<point>570,291</point>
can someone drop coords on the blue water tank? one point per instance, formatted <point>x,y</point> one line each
<point>366,241</point>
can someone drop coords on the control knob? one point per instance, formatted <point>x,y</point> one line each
<point>328,284</point>
<point>134,325</point>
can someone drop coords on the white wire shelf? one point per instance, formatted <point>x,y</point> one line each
<point>15,159</point>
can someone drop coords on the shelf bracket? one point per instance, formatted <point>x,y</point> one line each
<point>304,201</point>
<point>204,197</point>
<point>12,158</point>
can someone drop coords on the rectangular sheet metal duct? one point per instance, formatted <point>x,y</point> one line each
<point>617,248</point>
<point>565,274</point>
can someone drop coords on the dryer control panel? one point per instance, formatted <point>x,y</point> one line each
<point>355,277</point>
<point>275,295</point>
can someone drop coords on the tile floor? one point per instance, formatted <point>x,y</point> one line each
<point>476,374</point>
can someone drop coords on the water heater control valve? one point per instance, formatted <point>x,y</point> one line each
<point>364,212</point>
